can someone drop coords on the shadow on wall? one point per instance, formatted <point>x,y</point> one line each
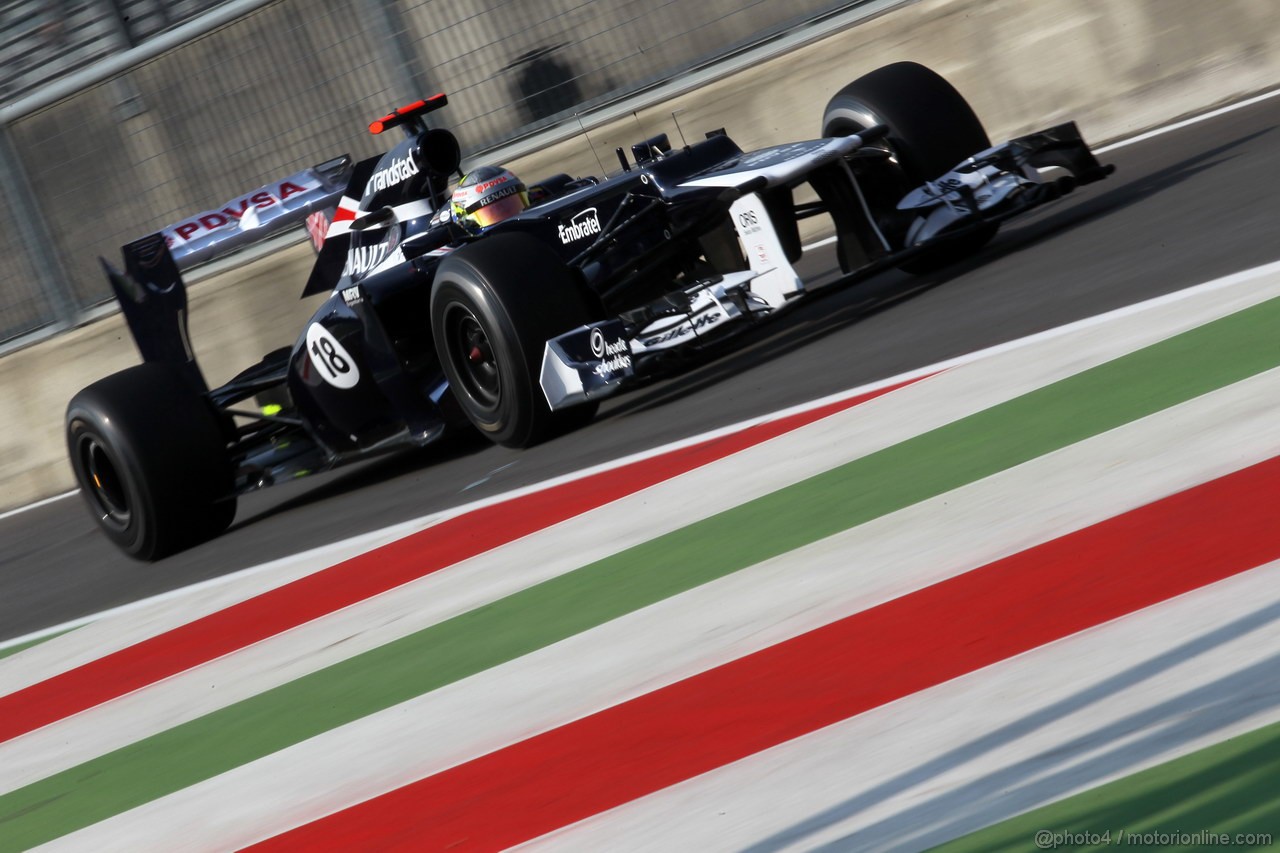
<point>544,84</point>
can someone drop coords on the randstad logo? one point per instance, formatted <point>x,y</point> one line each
<point>584,224</point>
<point>399,170</point>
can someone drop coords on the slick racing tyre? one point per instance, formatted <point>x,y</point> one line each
<point>932,129</point>
<point>150,457</point>
<point>494,304</point>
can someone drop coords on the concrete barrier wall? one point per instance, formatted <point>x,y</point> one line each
<point>1115,66</point>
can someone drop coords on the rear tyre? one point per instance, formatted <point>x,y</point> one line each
<point>932,129</point>
<point>150,457</point>
<point>494,305</point>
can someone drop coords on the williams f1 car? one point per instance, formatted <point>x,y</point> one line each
<point>518,327</point>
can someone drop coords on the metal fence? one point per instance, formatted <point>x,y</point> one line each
<point>41,40</point>
<point>286,86</point>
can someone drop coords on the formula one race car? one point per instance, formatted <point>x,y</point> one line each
<point>441,313</point>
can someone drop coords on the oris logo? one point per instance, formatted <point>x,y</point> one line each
<point>747,219</point>
<point>585,224</point>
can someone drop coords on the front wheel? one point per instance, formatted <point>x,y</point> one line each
<point>150,457</point>
<point>932,129</point>
<point>494,304</point>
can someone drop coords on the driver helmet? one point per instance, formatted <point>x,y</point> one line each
<point>485,196</point>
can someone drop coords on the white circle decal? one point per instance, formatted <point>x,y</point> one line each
<point>334,364</point>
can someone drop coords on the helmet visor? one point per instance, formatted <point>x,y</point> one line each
<point>503,208</point>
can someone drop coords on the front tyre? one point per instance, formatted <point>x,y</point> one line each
<point>932,129</point>
<point>150,457</point>
<point>494,304</point>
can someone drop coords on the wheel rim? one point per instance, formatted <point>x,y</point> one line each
<point>103,483</point>
<point>472,355</point>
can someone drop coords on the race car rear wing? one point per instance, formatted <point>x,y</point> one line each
<point>150,290</point>
<point>310,195</point>
<point>258,214</point>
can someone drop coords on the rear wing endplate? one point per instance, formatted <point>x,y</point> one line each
<point>154,302</point>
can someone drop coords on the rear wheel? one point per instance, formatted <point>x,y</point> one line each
<point>150,457</point>
<point>932,129</point>
<point>494,305</point>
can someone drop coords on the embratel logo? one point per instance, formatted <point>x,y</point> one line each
<point>585,223</point>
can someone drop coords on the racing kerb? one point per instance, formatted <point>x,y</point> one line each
<point>1116,66</point>
<point>1029,565</point>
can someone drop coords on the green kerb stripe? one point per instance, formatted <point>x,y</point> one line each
<point>22,647</point>
<point>1224,789</point>
<point>1173,371</point>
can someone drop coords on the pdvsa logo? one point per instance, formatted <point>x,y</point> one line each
<point>585,223</point>
<point>241,212</point>
<point>488,185</point>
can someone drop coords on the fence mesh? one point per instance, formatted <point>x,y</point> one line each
<point>24,306</point>
<point>295,83</point>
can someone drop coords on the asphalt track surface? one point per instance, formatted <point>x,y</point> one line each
<point>1183,208</point>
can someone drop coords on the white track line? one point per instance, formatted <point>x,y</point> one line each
<point>37,504</point>
<point>1179,125</point>
<point>282,571</point>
